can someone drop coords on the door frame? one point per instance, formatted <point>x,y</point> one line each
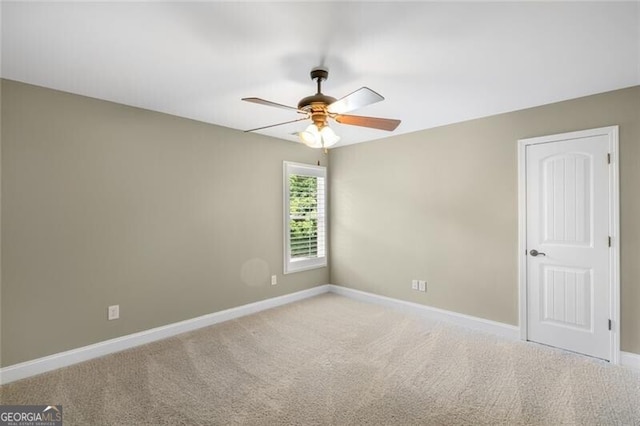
<point>614,228</point>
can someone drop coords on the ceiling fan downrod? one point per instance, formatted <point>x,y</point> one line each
<point>319,74</point>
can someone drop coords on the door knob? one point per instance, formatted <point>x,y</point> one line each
<point>535,253</point>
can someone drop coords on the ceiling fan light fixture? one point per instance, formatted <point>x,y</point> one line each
<point>311,137</point>
<point>314,138</point>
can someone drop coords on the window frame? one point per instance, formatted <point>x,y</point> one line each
<point>298,265</point>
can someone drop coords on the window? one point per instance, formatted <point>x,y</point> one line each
<point>304,217</point>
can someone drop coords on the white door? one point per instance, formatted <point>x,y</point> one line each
<point>568,262</point>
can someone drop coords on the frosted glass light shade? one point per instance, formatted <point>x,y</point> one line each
<point>311,137</point>
<point>329,137</point>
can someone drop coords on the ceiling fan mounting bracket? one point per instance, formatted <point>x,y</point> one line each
<point>319,73</point>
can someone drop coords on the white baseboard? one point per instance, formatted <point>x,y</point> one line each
<point>630,359</point>
<point>468,321</point>
<point>85,353</point>
<point>74,356</point>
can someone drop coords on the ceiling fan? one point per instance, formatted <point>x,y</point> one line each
<point>319,108</point>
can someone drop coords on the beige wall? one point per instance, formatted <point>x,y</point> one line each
<point>441,205</point>
<point>106,204</point>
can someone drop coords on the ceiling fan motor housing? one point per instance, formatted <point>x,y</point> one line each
<point>320,99</point>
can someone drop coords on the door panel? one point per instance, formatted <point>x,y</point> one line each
<point>566,300</point>
<point>568,288</point>
<point>566,191</point>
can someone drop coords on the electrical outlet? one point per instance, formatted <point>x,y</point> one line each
<point>113,312</point>
<point>414,284</point>
<point>422,285</point>
<point>274,279</point>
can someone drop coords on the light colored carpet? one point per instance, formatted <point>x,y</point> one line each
<point>331,360</point>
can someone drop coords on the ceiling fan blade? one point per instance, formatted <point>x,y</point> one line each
<point>358,99</point>
<point>373,122</point>
<point>274,125</point>
<point>268,103</point>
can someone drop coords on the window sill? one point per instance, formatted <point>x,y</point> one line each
<point>293,270</point>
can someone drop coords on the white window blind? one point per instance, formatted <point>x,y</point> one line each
<point>305,217</point>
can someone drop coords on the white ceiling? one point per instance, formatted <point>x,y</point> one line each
<point>436,63</point>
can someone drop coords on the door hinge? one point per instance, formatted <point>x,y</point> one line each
<point>608,158</point>
<point>609,324</point>
<point>609,241</point>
